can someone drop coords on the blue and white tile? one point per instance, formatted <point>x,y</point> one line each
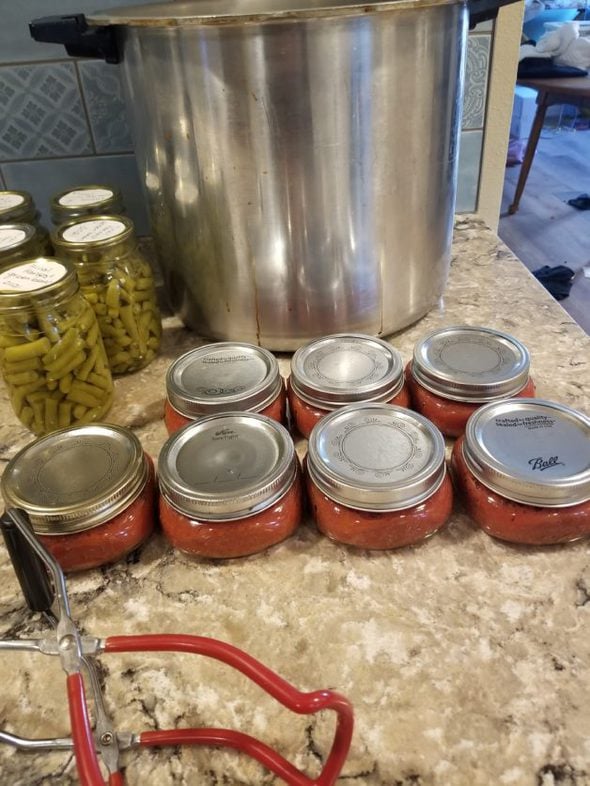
<point>43,179</point>
<point>16,44</point>
<point>103,95</point>
<point>469,167</point>
<point>476,80</point>
<point>41,112</point>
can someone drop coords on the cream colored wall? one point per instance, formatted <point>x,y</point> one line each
<point>506,41</point>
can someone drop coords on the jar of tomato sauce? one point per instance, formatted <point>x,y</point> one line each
<point>457,369</point>
<point>230,486</point>
<point>343,369</point>
<point>376,476</point>
<point>89,492</point>
<point>224,377</point>
<point>523,470</point>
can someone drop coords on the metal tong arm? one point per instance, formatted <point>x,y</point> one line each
<point>285,693</point>
<point>31,562</point>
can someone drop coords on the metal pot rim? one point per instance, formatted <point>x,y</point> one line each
<point>223,12</point>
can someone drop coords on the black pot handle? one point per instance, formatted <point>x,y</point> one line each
<point>79,39</point>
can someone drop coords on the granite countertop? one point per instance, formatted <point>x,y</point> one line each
<point>467,659</point>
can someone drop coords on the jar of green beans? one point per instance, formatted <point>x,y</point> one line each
<point>118,282</point>
<point>18,207</point>
<point>52,357</point>
<point>21,241</point>
<point>85,201</point>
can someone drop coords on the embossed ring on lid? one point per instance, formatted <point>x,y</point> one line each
<point>345,368</point>
<point>376,457</point>
<point>531,451</point>
<point>472,364</point>
<point>220,377</point>
<point>76,478</point>
<point>227,466</point>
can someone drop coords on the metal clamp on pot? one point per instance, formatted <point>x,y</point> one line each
<point>43,582</point>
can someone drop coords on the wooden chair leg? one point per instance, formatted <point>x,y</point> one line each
<point>530,151</point>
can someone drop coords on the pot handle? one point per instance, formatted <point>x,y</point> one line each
<point>79,39</point>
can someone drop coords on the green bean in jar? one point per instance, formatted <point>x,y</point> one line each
<point>118,282</point>
<point>52,358</point>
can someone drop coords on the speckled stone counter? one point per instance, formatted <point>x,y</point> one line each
<point>467,660</point>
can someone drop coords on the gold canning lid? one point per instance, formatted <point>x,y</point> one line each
<point>76,478</point>
<point>86,200</point>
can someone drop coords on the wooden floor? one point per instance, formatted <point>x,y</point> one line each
<point>546,230</point>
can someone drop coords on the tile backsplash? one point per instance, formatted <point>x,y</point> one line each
<point>63,122</point>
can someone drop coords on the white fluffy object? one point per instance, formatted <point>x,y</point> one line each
<point>564,46</point>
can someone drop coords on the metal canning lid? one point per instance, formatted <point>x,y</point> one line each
<point>76,478</point>
<point>85,200</point>
<point>223,377</point>
<point>376,457</point>
<point>225,467</point>
<point>531,451</point>
<point>14,235</point>
<point>471,364</point>
<point>345,368</point>
<point>16,206</point>
<point>33,280</point>
<point>93,232</point>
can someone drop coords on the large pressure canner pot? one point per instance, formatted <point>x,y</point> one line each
<point>299,156</point>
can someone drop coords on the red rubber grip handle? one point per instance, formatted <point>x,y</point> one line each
<point>277,687</point>
<point>86,758</point>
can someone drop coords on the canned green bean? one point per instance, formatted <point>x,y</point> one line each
<point>85,201</point>
<point>21,241</point>
<point>118,282</point>
<point>52,358</point>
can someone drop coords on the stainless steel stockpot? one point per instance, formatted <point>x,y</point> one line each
<point>299,158</point>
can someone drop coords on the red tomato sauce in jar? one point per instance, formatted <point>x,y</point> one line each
<point>339,370</point>
<point>376,477</point>
<point>230,486</point>
<point>458,369</point>
<point>223,377</point>
<point>90,493</point>
<point>523,471</point>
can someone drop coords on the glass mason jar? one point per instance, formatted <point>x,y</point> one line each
<point>86,201</point>
<point>376,477</point>
<point>523,471</point>
<point>343,369</point>
<point>118,282</point>
<point>230,486</point>
<point>90,493</point>
<point>52,357</point>
<point>22,241</point>
<point>228,376</point>
<point>456,370</point>
<point>17,207</point>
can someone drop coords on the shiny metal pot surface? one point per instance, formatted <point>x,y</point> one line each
<point>300,161</point>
